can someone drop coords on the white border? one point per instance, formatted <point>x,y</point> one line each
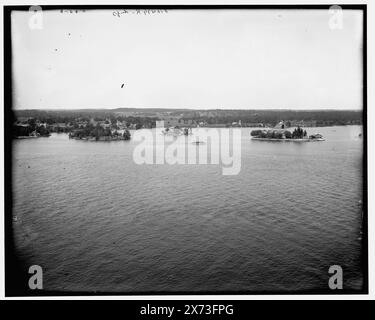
<point>370,145</point>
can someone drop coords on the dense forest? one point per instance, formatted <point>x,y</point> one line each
<point>97,132</point>
<point>147,117</point>
<point>322,117</point>
<point>71,116</point>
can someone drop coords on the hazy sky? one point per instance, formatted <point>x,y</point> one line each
<point>207,59</point>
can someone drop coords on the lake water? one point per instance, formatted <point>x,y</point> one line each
<point>96,221</point>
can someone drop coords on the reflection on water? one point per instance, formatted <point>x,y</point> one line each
<point>95,220</point>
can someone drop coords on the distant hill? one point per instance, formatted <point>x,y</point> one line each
<point>218,116</point>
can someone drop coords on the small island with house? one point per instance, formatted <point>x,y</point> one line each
<point>31,128</point>
<point>98,133</point>
<point>279,133</point>
<point>77,129</point>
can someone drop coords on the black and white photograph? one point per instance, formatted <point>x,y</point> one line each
<point>185,150</point>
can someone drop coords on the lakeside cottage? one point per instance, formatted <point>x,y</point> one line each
<point>280,125</point>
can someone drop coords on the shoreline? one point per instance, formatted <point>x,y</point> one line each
<point>95,140</point>
<point>288,140</point>
<point>30,137</point>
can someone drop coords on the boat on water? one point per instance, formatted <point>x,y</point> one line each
<point>198,142</point>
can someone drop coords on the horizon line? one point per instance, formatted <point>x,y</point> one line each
<point>182,109</point>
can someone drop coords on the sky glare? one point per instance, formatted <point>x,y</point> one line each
<point>201,59</point>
